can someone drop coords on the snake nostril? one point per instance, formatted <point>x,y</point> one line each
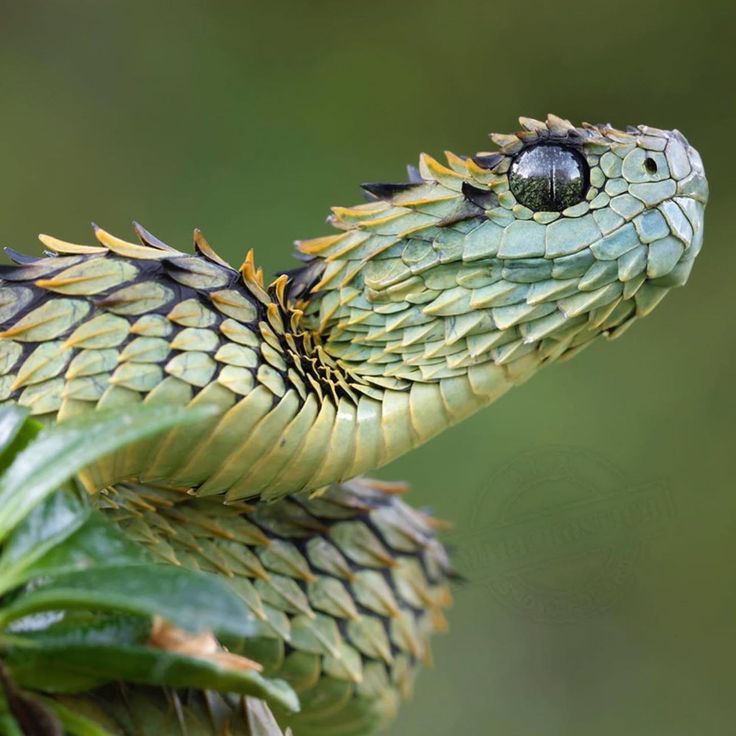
<point>650,165</point>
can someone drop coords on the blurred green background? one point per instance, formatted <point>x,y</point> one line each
<point>249,119</point>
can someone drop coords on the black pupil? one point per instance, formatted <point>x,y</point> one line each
<point>549,177</point>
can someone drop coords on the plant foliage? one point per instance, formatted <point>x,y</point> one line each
<point>79,600</point>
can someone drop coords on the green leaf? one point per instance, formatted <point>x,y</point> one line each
<point>79,629</point>
<point>75,656</point>
<point>195,601</point>
<point>54,519</point>
<point>8,725</point>
<point>61,451</point>
<point>47,675</point>
<point>114,650</point>
<point>97,543</point>
<point>16,431</point>
<point>75,630</point>
<point>12,418</point>
<point>81,565</point>
<point>74,723</point>
<point>85,628</point>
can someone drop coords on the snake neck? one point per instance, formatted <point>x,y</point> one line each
<point>346,422</point>
<point>353,416</point>
<point>310,419</point>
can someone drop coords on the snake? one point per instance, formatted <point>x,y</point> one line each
<point>426,303</point>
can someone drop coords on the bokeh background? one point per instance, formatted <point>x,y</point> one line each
<point>249,119</point>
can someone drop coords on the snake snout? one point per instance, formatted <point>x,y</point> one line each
<point>686,167</point>
<point>695,185</point>
<point>671,256</point>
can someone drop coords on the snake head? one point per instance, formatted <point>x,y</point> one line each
<point>610,220</point>
<point>526,253</point>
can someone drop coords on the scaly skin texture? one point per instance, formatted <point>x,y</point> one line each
<point>346,588</point>
<point>431,301</point>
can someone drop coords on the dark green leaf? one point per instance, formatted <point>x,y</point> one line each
<point>195,601</point>
<point>75,724</point>
<point>44,674</point>
<point>51,522</point>
<point>8,725</point>
<point>61,451</point>
<point>85,628</point>
<point>96,544</point>
<point>11,420</point>
<point>16,431</point>
<point>78,630</point>
<point>146,665</point>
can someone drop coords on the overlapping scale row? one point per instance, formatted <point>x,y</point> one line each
<point>116,322</point>
<point>99,326</point>
<point>107,321</point>
<point>347,586</point>
<point>446,281</point>
<point>188,330</point>
<point>449,270</point>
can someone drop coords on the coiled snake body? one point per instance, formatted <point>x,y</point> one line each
<point>429,302</point>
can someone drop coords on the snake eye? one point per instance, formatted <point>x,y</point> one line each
<point>549,177</point>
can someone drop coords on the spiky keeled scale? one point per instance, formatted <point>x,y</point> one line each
<point>447,284</point>
<point>433,300</point>
<point>347,587</point>
<point>103,326</point>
